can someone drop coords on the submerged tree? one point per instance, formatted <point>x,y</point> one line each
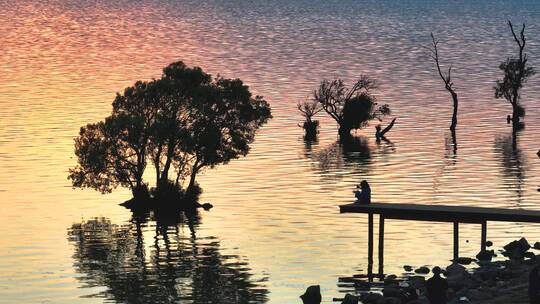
<point>516,73</point>
<point>181,123</point>
<point>308,109</point>
<point>447,79</point>
<point>351,108</point>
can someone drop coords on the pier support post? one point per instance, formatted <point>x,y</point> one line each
<point>484,236</point>
<point>381,246</point>
<point>456,241</point>
<point>370,246</point>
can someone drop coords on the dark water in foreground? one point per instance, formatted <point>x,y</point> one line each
<point>275,228</point>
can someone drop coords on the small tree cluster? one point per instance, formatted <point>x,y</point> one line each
<point>516,73</point>
<point>309,109</point>
<point>181,123</point>
<point>351,108</point>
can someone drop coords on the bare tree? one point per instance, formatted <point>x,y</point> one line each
<point>447,79</point>
<point>308,109</point>
<point>516,73</point>
<point>353,107</point>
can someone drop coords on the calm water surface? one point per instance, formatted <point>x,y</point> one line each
<point>275,227</point>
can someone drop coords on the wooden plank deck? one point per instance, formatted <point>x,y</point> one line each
<point>444,213</point>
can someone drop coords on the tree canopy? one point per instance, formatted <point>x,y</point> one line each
<point>181,123</point>
<point>351,108</point>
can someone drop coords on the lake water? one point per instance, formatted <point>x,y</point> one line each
<point>275,227</point>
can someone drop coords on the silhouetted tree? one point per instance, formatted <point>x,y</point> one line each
<point>113,152</point>
<point>184,121</point>
<point>308,110</point>
<point>178,86</point>
<point>447,79</point>
<point>516,73</point>
<point>223,121</point>
<point>351,108</point>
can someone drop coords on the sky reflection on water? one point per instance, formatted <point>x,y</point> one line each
<point>61,63</point>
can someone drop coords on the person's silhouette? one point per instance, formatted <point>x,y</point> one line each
<point>363,193</point>
<point>436,287</point>
<point>534,285</point>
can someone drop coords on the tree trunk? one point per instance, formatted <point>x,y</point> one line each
<point>157,165</point>
<point>192,178</point>
<point>194,171</point>
<point>454,115</point>
<point>139,173</point>
<point>167,166</point>
<point>515,116</point>
<point>344,131</point>
<point>380,134</point>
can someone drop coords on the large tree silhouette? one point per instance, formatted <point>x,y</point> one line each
<point>182,123</point>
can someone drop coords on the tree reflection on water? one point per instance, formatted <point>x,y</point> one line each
<point>349,155</point>
<point>513,163</point>
<point>169,268</point>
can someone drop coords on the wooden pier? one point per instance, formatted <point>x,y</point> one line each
<point>435,213</point>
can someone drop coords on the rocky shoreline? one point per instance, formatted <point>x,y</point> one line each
<point>493,282</point>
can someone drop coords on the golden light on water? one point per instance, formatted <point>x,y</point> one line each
<point>61,64</point>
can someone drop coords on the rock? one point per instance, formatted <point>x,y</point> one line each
<point>363,286</point>
<point>536,245</point>
<point>350,299</point>
<point>477,295</point>
<point>206,206</point>
<point>417,282</point>
<point>463,300</point>
<point>451,293</point>
<point>312,295</point>
<point>422,270</point>
<point>485,255</point>
<point>408,268</point>
<point>515,250</point>
<point>522,244</point>
<point>458,278</point>
<point>530,255</point>
<point>390,280</point>
<point>464,260</point>
<point>392,292</point>
<point>454,268</point>
<point>489,275</point>
<point>459,282</point>
<point>390,300</point>
<point>371,298</point>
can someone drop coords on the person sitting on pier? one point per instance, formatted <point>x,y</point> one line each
<point>436,287</point>
<point>363,193</point>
